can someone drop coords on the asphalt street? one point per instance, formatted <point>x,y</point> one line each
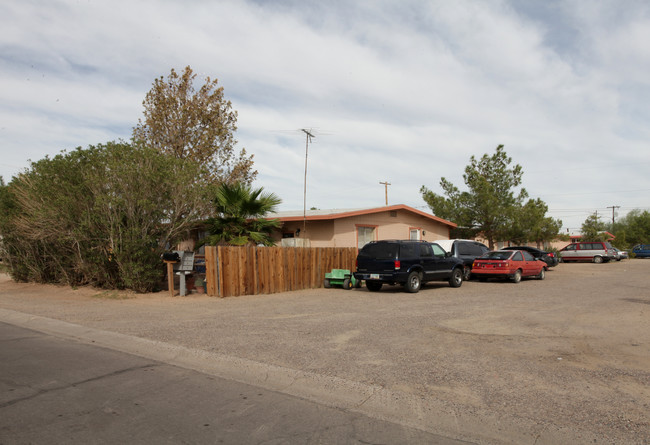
<point>57,390</point>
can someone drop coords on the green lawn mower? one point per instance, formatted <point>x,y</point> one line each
<point>341,277</point>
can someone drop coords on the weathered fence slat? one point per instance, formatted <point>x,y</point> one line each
<point>234,271</point>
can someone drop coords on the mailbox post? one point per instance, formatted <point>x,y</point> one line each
<point>180,262</point>
<point>184,267</point>
<point>170,258</point>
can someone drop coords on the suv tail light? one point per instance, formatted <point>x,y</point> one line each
<point>551,254</point>
<point>398,265</point>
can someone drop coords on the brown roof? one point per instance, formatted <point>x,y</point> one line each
<point>321,215</point>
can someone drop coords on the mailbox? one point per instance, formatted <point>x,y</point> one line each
<point>171,257</point>
<point>185,261</point>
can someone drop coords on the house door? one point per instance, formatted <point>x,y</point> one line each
<point>415,234</point>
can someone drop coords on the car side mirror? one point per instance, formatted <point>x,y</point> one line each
<point>447,254</point>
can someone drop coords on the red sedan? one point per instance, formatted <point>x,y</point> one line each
<point>511,264</point>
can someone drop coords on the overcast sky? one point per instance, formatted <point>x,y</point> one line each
<point>403,92</point>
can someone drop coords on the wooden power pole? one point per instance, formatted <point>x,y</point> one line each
<point>385,184</point>
<point>308,136</point>
<point>613,208</point>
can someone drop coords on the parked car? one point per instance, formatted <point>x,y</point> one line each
<point>641,250</point>
<point>406,262</point>
<point>509,264</point>
<point>619,254</point>
<point>465,249</point>
<point>548,257</point>
<point>594,251</point>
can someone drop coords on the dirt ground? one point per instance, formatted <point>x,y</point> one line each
<point>572,351</point>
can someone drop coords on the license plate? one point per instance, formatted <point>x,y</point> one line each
<point>374,276</point>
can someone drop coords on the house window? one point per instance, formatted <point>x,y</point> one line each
<point>414,234</point>
<point>365,234</point>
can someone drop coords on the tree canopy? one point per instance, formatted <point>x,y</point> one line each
<point>530,223</point>
<point>492,206</point>
<point>593,229</point>
<point>632,229</point>
<point>195,125</point>
<point>240,212</point>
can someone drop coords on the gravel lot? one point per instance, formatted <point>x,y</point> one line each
<point>570,352</point>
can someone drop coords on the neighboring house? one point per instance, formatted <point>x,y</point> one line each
<point>576,237</point>
<point>356,227</point>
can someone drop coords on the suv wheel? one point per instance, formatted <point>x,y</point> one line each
<point>456,278</point>
<point>413,282</point>
<point>598,259</point>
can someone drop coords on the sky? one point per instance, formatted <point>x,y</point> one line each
<point>403,92</point>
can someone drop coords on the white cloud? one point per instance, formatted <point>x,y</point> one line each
<point>403,92</point>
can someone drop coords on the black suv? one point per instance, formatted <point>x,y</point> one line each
<point>465,249</point>
<point>410,263</point>
<point>548,257</point>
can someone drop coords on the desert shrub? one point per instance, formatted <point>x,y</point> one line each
<point>99,216</point>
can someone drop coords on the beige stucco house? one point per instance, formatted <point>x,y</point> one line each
<point>356,227</point>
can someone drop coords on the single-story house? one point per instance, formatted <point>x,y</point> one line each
<point>356,227</point>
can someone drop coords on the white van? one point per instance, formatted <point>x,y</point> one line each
<point>593,251</point>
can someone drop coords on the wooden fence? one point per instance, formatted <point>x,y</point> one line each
<point>234,271</point>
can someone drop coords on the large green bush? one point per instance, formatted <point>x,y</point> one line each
<point>99,216</point>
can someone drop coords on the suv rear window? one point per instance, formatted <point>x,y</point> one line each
<point>425,250</point>
<point>408,250</point>
<point>380,251</point>
<point>465,248</point>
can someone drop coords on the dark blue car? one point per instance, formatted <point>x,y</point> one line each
<point>641,250</point>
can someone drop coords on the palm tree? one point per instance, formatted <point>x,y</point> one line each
<point>240,216</point>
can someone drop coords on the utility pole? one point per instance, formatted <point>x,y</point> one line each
<point>308,137</point>
<point>385,184</point>
<point>613,208</point>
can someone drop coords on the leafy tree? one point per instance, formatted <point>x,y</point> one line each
<point>196,125</point>
<point>240,216</point>
<point>99,216</point>
<point>143,201</point>
<point>530,224</point>
<point>633,229</point>
<point>40,234</point>
<point>488,206</point>
<point>593,229</point>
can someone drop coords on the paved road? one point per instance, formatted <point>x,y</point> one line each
<point>55,390</point>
